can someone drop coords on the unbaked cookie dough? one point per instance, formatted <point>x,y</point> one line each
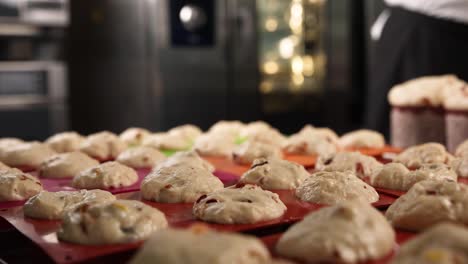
<point>65,142</point>
<point>187,158</point>
<point>214,145</point>
<point>134,136</point>
<point>201,247</point>
<point>396,176</point>
<point>181,183</point>
<point>275,174</point>
<point>66,165</point>
<point>460,166</point>
<point>462,149</point>
<point>414,157</point>
<point>7,143</point>
<point>332,187</point>
<point>260,131</point>
<point>30,155</point>
<point>187,132</point>
<point>107,175</point>
<point>312,141</point>
<point>343,233</point>
<point>362,138</point>
<point>363,166</point>
<point>116,222</point>
<point>322,132</point>
<point>103,145</point>
<point>251,150</point>
<point>3,166</point>
<point>428,203</point>
<point>141,157</point>
<point>17,186</point>
<point>53,205</point>
<point>167,141</point>
<point>228,129</point>
<point>245,205</point>
<point>444,243</point>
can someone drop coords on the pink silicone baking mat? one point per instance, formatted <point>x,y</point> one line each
<point>55,185</point>
<point>375,152</point>
<point>43,233</point>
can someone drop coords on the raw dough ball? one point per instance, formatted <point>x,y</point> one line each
<point>187,132</point>
<point>120,221</point>
<point>462,149</point>
<point>141,157</point>
<point>167,141</point>
<point>227,129</point>
<point>246,205</point>
<point>362,138</point>
<point>103,145</point>
<point>260,131</point>
<point>53,205</point>
<point>333,187</point>
<point>29,155</point>
<point>428,203</point>
<point>444,243</point>
<point>214,145</point>
<point>396,176</point>
<point>181,183</point>
<point>66,165</point>
<point>195,247</point>
<point>187,158</point>
<point>275,174</point>
<point>347,232</point>
<point>322,132</point>
<point>107,175</point>
<point>17,186</point>
<point>7,143</point>
<point>363,166</point>
<point>312,141</point>
<point>4,167</point>
<point>134,136</point>
<point>65,142</point>
<point>414,157</point>
<point>460,166</point>
<point>250,151</point>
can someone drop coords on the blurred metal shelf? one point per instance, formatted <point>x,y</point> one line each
<point>41,13</point>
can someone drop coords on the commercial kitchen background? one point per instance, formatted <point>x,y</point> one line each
<point>90,65</point>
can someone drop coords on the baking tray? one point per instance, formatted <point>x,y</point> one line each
<point>64,184</point>
<point>376,152</point>
<point>394,193</point>
<point>42,232</point>
<point>463,180</point>
<point>401,237</point>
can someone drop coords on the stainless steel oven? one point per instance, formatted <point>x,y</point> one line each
<point>32,98</point>
<point>33,82</point>
<point>160,63</point>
